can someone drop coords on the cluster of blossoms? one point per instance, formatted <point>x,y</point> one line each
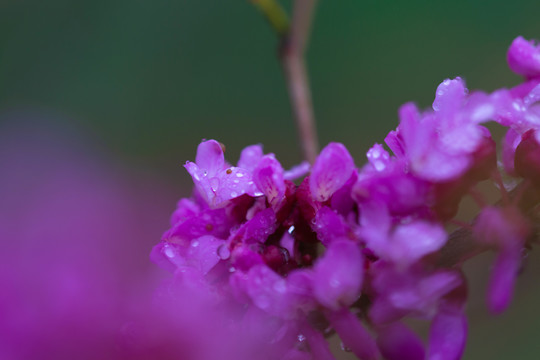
<point>355,251</point>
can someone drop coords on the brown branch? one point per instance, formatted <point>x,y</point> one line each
<point>291,53</point>
<point>462,246</point>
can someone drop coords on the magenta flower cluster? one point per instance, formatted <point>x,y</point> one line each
<point>355,251</point>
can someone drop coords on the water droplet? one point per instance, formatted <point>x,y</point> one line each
<point>345,348</point>
<point>169,252</point>
<point>223,252</point>
<point>291,229</point>
<point>280,286</point>
<point>195,243</point>
<point>239,175</point>
<point>232,269</point>
<point>379,165</point>
<point>214,183</point>
<point>328,330</point>
<point>262,301</point>
<point>301,337</point>
<point>236,181</point>
<point>258,193</point>
<point>234,194</point>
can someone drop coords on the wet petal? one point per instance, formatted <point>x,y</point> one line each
<point>210,157</point>
<point>250,157</point>
<point>331,170</point>
<point>268,177</point>
<point>258,228</point>
<point>339,275</point>
<point>449,97</point>
<point>330,226</point>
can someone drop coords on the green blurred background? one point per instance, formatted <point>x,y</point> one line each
<point>147,80</point>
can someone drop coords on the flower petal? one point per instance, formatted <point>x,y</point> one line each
<point>331,170</point>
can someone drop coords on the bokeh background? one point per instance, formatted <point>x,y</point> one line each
<point>135,85</point>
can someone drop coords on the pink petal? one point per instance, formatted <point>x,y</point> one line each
<point>449,97</point>
<point>353,334</point>
<point>210,156</point>
<point>297,171</point>
<point>509,146</point>
<point>330,226</point>
<point>317,344</point>
<point>268,177</point>
<point>410,242</point>
<point>250,157</point>
<point>524,57</point>
<point>398,342</point>
<point>331,170</point>
<point>339,275</point>
<point>503,278</point>
<point>447,335</point>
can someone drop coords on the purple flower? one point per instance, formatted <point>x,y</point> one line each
<point>215,181</point>
<point>356,251</point>
<point>524,58</point>
<point>440,145</point>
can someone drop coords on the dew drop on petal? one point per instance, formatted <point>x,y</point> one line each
<point>379,165</point>
<point>223,252</point>
<point>195,243</point>
<point>335,283</point>
<point>344,348</point>
<point>214,183</point>
<point>169,252</point>
<point>262,301</point>
<point>280,286</point>
<point>301,337</point>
